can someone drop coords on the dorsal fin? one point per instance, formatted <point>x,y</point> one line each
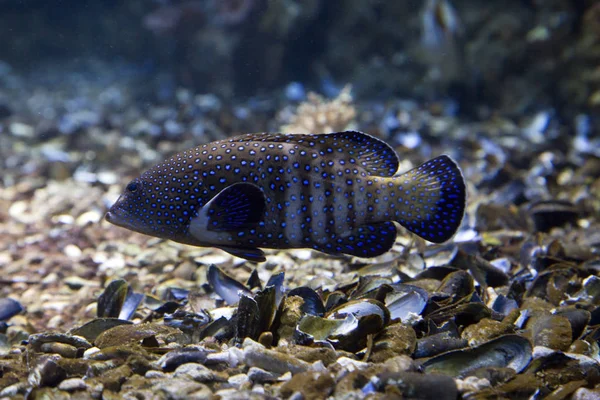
<point>374,155</point>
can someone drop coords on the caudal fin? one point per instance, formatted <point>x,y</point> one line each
<point>432,199</point>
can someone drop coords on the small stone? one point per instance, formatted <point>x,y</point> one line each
<point>13,390</point>
<point>89,353</point>
<point>586,394</point>
<point>196,372</point>
<point>352,365</point>
<point>292,312</point>
<point>229,393</point>
<point>399,364</point>
<point>186,271</point>
<point>396,339</point>
<point>181,389</point>
<point>273,361</point>
<point>153,374</point>
<point>232,357</point>
<point>55,322</point>
<point>88,218</point>
<point>62,349</point>
<point>76,282</point>
<point>238,380</point>
<point>484,331</point>
<point>259,375</point>
<point>72,251</point>
<point>72,384</point>
<point>312,385</point>
<point>301,254</point>
<point>215,258</point>
<point>20,129</point>
<point>472,384</point>
<point>113,263</point>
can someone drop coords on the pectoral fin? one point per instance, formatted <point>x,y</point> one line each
<point>237,207</point>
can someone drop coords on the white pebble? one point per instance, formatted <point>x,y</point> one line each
<point>72,251</point>
<point>72,384</point>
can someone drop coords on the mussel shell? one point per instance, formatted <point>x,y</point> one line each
<point>92,329</point>
<point>335,299</point>
<point>187,322</point>
<point>504,305</point>
<point>458,284</point>
<point>118,301</point>
<point>222,329</point>
<point>482,270</point>
<point>578,318</point>
<point>313,304</point>
<point>411,385</point>
<point>438,343</point>
<point>321,329</point>
<point>552,213</point>
<point>403,305</point>
<point>276,282</point>
<point>512,351</point>
<point>437,273</point>
<point>225,286</point>
<point>9,308</point>
<point>553,331</point>
<point>461,314</point>
<point>360,308</point>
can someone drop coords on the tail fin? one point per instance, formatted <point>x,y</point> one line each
<point>432,199</point>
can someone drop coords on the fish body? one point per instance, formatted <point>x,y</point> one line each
<point>337,193</point>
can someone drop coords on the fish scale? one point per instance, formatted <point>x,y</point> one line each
<point>337,193</point>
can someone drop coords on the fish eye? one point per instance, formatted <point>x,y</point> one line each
<point>132,187</point>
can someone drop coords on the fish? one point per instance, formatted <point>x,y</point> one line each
<point>338,193</point>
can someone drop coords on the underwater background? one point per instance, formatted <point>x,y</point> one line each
<point>93,93</point>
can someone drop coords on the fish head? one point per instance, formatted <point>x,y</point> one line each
<point>133,209</point>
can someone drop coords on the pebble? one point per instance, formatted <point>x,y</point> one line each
<point>76,282</point>
<point>586,394</point>
<point>399,363</point>
<point>91,352</point>
<point>112,263</point>
<point>62,349</point>
<point>472,384</point>
<point>89,217</point>
<point>153,374</point>
<point>72,384</point>
<point>259,375</point>
<point>196,372</point>
<point>238,380</point>
<point>352,365</point>
<point>273,361</point>
<point>22,130</point>
<point>72,251</point>
<point>181,389</point>
<point>213,259</point>
<point>13,390</point>
<point>232,357</point>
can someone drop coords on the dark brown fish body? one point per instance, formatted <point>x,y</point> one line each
<point>336,193</point>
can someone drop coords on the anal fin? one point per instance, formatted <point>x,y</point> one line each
<point>250,254</point>
<point>366,241</point>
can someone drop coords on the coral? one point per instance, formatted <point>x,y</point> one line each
<point>317,115</point>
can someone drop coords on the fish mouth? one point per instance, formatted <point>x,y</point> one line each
<point>113,217</point>
<point>110,217</point>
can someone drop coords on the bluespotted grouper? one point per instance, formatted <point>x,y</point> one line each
<point>338,193</point>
